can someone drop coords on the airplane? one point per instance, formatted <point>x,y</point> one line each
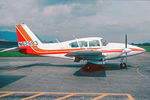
<point>94,50</point>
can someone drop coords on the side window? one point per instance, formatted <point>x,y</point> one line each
<point>83,43</point>
<point>74,44</point>
<point>94,43</point>
<point>104,42</point>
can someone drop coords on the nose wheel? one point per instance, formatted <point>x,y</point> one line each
<point>123,65</point>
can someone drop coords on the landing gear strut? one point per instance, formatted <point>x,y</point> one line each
<point>123,64</point>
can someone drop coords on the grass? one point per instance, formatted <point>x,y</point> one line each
<point>147,48</point>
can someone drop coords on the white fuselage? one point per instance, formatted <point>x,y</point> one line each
<point>110,51</point>
<point>91,48</point>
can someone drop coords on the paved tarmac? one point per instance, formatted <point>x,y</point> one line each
<point>54,78</point>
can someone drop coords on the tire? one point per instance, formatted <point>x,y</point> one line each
<point>89,66</point>
<point>123,65</point>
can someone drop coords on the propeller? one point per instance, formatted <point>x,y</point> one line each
<point>126,50</point>
<point>126,41</point>
<point>126,46</point>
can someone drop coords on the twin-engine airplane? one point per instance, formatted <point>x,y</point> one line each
<point>92,49</point>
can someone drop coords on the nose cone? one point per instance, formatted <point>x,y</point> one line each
<point>143,50</point>
<point>137,49</point>
<point>140,49</point>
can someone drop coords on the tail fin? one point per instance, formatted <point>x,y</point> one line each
<point>25,36</point>
<point>26,39</point>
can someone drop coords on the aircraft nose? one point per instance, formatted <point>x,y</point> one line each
<point>138,49</point>
<point>143,50</point>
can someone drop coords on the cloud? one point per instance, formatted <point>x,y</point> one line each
<point>62,19</point>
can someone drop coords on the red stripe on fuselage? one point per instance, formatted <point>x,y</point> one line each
<point>134,49</point>
<point>65,51</point>
<point>112,51</point>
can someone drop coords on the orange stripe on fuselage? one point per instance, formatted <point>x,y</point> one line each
<point>64,51</point>
<point>112,51</point>
<point>134,49</point>
<point>61,50</point>
<point>57,50</point>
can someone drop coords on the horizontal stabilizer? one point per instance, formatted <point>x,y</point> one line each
<point>11,49</point>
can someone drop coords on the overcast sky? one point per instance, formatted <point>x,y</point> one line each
<point>66,19</point>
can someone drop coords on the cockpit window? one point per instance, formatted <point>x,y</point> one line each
<point>94,43</point>
<point>74,44</point>
<point>83,43</point>
<point>104,42</point>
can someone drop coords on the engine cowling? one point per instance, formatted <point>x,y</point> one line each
<point>126,50</point>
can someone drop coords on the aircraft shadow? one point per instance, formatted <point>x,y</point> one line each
<point>50,65</point>
<point>97,70</point>
<point>8,79</point>
<point>94,71</point>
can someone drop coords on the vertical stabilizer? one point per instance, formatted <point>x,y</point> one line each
<point>25,36</point>
<point>27,41</point>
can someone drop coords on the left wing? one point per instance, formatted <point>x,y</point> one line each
<point>86,55</point>
<point>11,49</point>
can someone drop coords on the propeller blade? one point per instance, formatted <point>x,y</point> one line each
<point>126,41</point>
<point>126,45</point>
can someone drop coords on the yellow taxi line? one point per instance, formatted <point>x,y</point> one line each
<point>33,96</point>
<point>6,94</point>
<point>68,94</point>
<point>99,97</point>
<point>130,97</point>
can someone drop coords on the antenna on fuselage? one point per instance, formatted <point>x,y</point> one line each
<point>57,40</point>
<point>61,45</point>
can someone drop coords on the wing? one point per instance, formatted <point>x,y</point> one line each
<point>86,55</point>
<point>11,49</point>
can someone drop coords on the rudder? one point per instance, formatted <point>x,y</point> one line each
<point>26,39</point>
<point>25,36</point>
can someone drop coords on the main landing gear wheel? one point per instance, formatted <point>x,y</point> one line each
<point>88,66</point>
<point>123,65</point>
